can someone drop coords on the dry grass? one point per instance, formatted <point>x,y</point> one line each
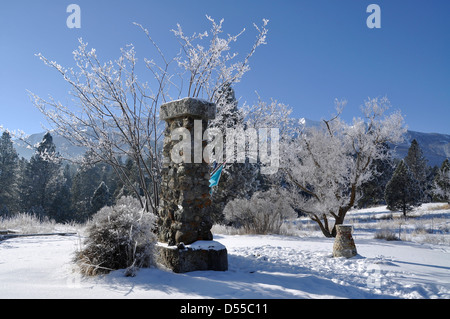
<point>32,224</point>
<point>440,207</point>
<point>386,234</point>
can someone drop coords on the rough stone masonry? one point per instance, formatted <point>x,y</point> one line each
<point>185,200</point>
<point>184,225</point>
<point>344,245</point>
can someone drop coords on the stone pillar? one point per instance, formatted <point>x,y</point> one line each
<point>185,203</point>
<point>344,245</point>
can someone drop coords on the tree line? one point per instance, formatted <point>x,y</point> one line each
<point>414,182</point>
<point>49,187</point>
<point>403,184</point>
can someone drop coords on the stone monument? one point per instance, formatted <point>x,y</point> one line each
<point>184,226</point>
<point>344,245</point>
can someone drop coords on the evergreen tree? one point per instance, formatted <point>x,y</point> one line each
<point>403,191</point>
<point>84,184</point>
<point>9,163</point>
<point>60,209</point>
<point>417,165</point>
<point>42,179</point>
<point>101,198</point>
<point>238,180</point>
<point>429,183</point>
<point>228,114</point>
<point>442,182</point>
<point>373,190</point>
<point>62,206</point>
<point>124,189</point>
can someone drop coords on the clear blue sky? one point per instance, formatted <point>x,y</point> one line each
<point>317,50</point>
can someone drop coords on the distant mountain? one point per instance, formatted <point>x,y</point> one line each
<point>63,146</point>
<point>436,147</point>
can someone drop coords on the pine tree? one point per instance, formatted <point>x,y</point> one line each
<point>417,164</point>
<point>373,190</point>
<point>84,184</point>
<point>124,189</point>
<point>62,206</point>
<point>403,191</point>
<point>238,180</point>
<point>442,182</point>
<point>9,163</point>
<point>228,114</point>
<point>101,198</point>
<point>42,179</point>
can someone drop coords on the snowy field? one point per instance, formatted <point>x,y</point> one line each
<point>271,266</point>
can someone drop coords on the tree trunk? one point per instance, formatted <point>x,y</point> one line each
<point>404,208</point>
<point>323,226</point>
<point>338,221</point>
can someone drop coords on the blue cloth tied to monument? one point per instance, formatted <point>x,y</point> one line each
<point>215,177</point>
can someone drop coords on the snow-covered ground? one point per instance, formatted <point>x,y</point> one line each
<point>271,266</point>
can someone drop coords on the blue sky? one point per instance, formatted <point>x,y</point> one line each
<point>317,50</point>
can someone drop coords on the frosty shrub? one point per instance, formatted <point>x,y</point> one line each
<point>263,213</point>
<point>386,234</point>
<point>114,113</point>
<point>119,237</point>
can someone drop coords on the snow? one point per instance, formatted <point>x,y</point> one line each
<point>198,245</point>
<point>271,266</point>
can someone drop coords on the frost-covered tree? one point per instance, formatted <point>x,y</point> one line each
<point>207,59</point>
<point>9,163</point>
<point>442,182</point>
<point>116,114</point>
<point>326,166</point>
<point>403,191</point>
<point>263,213</point>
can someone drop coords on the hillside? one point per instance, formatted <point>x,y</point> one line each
<point>435,146</point>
